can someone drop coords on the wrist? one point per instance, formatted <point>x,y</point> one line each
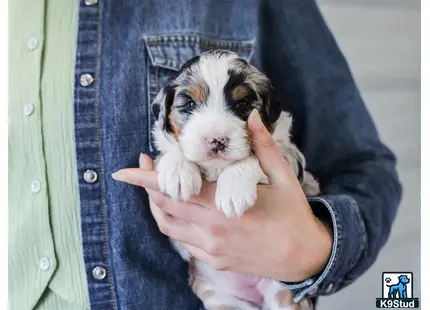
<point>314,251</point>
<point>323,246</point>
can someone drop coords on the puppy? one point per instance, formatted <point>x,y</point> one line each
<point>201,133</point>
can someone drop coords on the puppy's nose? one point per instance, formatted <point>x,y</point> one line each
<point>218,144</point>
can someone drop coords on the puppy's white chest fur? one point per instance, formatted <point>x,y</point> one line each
<point>211,174</point>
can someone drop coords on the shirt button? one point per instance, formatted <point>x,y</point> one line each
<point>32,43</point>
<point>86,79</point>
<point>44,263</point>
<point>99,273</point>
<point>90,176</point>
<point>35,186</point>
<point>28,108</point>
<point>91,2</point>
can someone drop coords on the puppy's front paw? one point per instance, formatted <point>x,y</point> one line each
<point>234,193</point>
<point>178,178</point>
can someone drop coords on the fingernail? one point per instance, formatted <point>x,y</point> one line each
<point>142,160</point>
<point>118,176</point>
<point>256,119</point>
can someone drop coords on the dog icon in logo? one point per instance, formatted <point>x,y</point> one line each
<point>399,290</point>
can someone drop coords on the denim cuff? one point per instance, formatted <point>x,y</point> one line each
<point>349,240</point>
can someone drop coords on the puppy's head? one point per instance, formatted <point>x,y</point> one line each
<point>404,279</point>
<point>205,108</point>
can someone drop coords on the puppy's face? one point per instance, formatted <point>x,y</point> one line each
<point>205,108</point>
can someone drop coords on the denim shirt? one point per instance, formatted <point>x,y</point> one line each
<point>130,48</point>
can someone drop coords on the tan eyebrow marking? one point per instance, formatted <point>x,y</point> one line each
<point>240,92</point>
<point>198,92</point>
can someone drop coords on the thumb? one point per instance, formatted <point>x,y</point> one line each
<point>266,149</point>
<point>145,162</point>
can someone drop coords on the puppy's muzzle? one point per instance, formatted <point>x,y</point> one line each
<point>217,144</point>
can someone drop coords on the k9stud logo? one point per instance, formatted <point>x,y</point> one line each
<point>397,291</point>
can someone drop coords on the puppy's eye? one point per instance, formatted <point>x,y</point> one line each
<point>242,103</point>
<point>190,104</point>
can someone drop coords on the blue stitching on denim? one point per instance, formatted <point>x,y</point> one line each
<point>186,37</point>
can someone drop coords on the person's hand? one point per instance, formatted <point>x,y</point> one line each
<point>279,237</point>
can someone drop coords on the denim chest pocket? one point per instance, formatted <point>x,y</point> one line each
<point>167,54</point>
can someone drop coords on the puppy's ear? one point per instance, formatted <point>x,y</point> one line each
<point>156,104</point>
<point>162,105</point>
<point>272,109</point>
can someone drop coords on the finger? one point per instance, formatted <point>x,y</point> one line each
<point>266,149</point>
<point>145,162</point>
<point>206,197</point>
<point>149,180</point>
<point>218,262</point>
<point>175,228</point>
<point>137,176</point>
<point>186,211</point>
